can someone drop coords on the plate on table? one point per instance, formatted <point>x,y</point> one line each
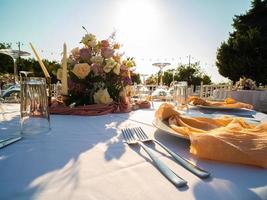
<point>223,108</point>
<point>164,126</point>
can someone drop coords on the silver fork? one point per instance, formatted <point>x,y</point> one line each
<point>131,139</point>
<point>183,162</point>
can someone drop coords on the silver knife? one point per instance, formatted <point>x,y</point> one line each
<point>9,141</point>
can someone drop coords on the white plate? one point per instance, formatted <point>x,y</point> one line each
<point>222,108</point>
<point>163,125</point>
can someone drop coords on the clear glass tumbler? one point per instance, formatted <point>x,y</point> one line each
<point>180,95</point>
<point>34,110</point>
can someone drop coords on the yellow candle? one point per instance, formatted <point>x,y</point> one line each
<point>40,62</point>
<point>64,79</point>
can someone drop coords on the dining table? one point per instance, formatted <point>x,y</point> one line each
<point>257,98</point>
<point>86,157</point>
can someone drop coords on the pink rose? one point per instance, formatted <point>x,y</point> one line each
<point>85,54</point>
<point>96,69</point>
<point>104,43</point>
<point>107,52</point>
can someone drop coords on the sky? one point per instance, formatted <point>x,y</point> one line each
<point>149,30</point>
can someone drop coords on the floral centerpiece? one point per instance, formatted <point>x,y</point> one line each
<point>97,72</point>
<point>245,84</point>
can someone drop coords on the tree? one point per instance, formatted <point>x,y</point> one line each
<point>152,80</point>
<point>135,78</point>
<point>6,62</point>
<point>7,65</point>
<point>245,52</point>
<point>190,73</point>
<point>167,77</point>
<point>33,65</point>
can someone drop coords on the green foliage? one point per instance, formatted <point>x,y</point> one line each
<point>5,45</point>
<point>114,85</point>
<point>206,79</point>
<point>33,65</point>
<point>192,74</point>
<point>245,52</point>
<point>152,80</point>
<point>136,78</point>
<point>167,77</point>
<point>30,64</point>
<point>6,62</point>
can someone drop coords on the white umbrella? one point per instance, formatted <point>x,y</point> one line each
<point>14,54</point>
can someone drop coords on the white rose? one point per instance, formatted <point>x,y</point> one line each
<point>110,64</point>
<point>102,97</point>
<point>92,43</point>
<point>97,59</point>
<point>81,70</point>
<point>89,40</point>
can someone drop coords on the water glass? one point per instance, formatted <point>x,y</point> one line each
<point>34,110</point>
<point>180,95</point>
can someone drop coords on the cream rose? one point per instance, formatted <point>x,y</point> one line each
<point>102,97</point>
<point>75,53</point>
<point>81,70</point>
<point>117,69</point>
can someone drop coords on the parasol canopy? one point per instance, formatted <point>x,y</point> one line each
<point>14,54</point>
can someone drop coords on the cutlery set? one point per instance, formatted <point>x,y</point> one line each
<point>136,136</point>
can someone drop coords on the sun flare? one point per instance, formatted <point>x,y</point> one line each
<point>137,19</point>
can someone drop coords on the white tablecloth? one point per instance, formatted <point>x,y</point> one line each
<point>254,97</point>
<point>85,158</point>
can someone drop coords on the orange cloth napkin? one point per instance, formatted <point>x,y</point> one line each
<point>223,139</point>
<point>228,102</point>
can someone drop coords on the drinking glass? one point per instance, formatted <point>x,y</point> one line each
<point>34,112</point>
<point>180,95</point>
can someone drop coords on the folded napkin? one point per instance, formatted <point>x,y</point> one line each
<point>223,139</point>
<point>141,104</point>
<point>228,103</point>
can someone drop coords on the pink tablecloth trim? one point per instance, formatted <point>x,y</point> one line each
<point>95,109</point>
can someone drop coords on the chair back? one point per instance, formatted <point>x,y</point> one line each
<point>215,91</point>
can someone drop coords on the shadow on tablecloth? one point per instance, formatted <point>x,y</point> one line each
<point>31,163</point>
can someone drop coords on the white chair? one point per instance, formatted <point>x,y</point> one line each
<point>215,91</point>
